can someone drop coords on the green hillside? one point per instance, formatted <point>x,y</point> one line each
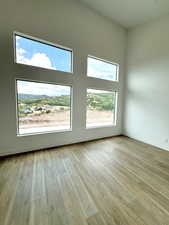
<point>29,104</point>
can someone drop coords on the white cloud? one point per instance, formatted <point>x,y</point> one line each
<point>37,59</point>
<point>35,88</point>
<point>41,60</point>
<point>19,54</point>
<point>17,37</point>
<point>95,91</point>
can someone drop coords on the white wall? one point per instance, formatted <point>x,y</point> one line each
<point>68,23</point>
<point>146,116</point>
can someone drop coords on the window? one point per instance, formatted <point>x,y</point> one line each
<point>101,69</point>
<point>32,52</point>
<point>43,107</point>
<point>101,108</point>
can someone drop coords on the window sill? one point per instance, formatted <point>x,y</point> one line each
<point>44,132</point>
<point>100,126</point>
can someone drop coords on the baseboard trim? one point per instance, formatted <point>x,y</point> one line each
<point>3,155</point>
<point>146,143</point>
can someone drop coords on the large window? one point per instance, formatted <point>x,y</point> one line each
<point>102,69</point>
<point>46,106</point>
<point>101,108</point>
<point>32,52</point>
<point>43,107</point>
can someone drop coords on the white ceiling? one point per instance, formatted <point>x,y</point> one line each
<point>130,13</point>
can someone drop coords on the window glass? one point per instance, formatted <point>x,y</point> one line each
<point>43,107</point>
<point>102,69</point>
<point>101,108</point>
<point>35,53</point>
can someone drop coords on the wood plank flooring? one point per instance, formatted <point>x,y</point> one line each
<point>113,181</point>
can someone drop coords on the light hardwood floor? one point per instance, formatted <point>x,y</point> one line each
<point>113,181</point>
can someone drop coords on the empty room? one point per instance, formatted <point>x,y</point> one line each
<point>84,112</point>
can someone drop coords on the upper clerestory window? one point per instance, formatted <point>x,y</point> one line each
<point>33,52</point>
<point>102,69</point>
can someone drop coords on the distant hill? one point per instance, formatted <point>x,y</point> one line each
<point>29,96</point>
